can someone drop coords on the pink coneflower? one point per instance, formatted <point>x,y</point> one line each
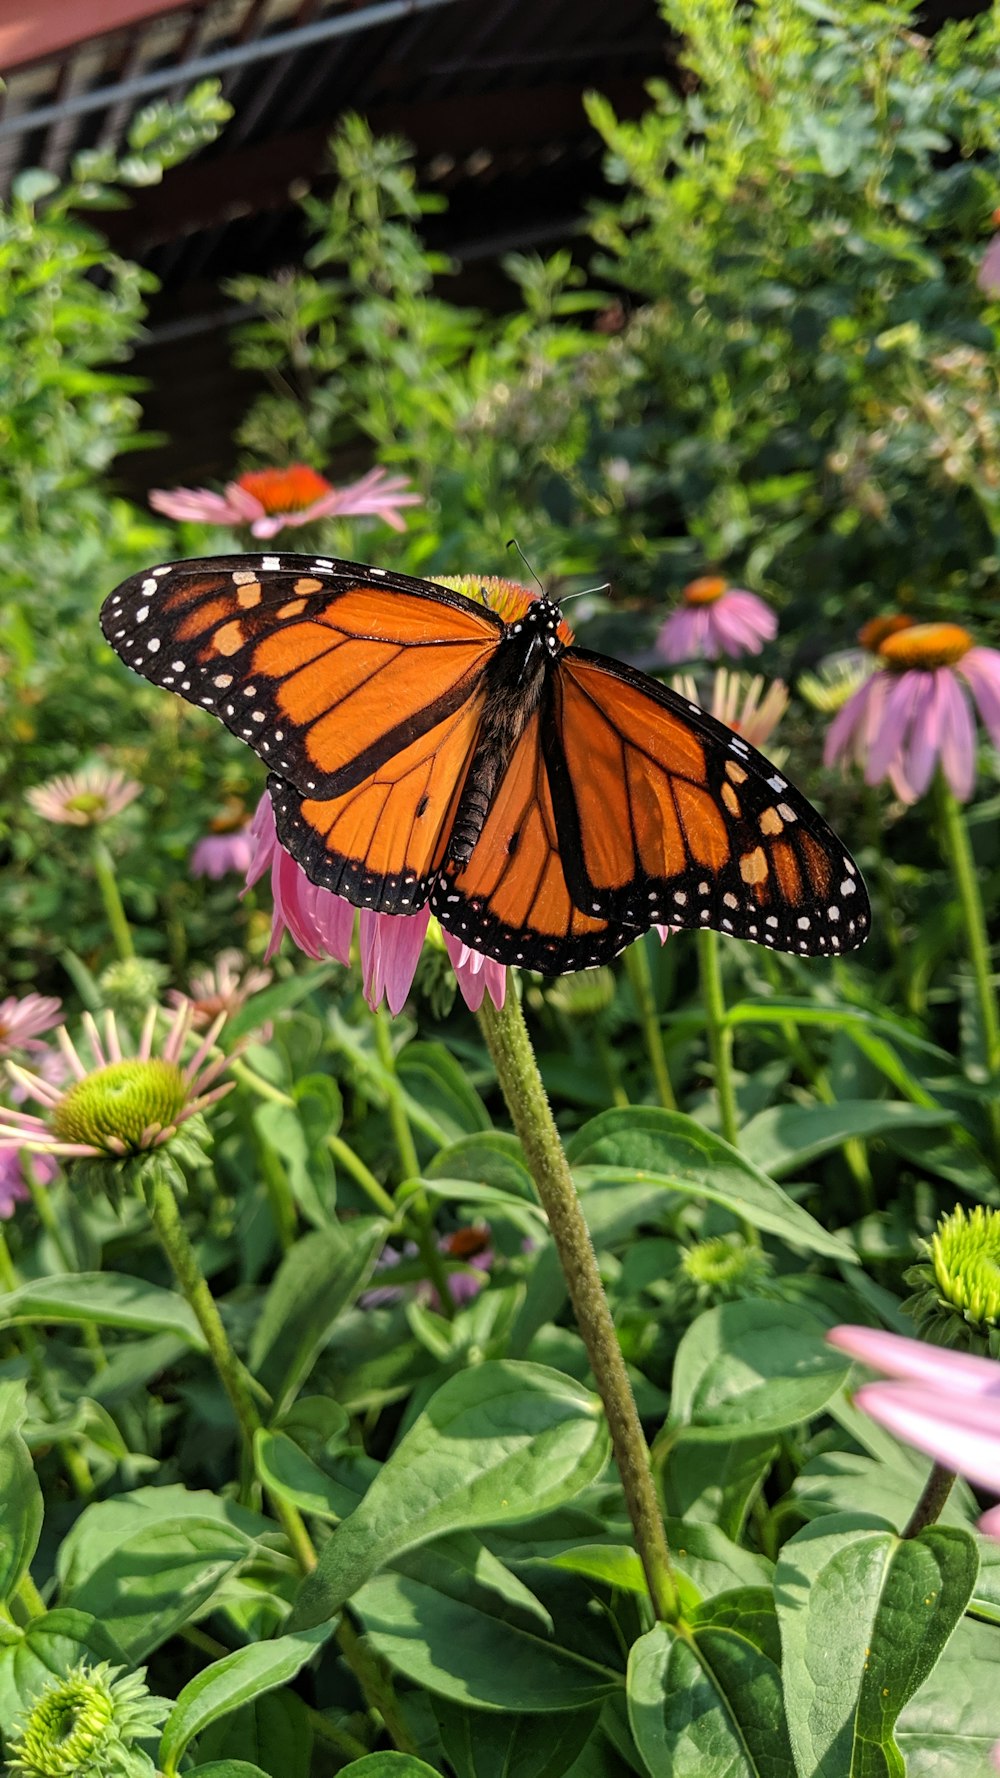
<point>120,1105</point>
<point>469,1246</point>
<point>85,798</point>
<point>916,713</point>
<point>14,1187</point>
<point>322,925</point>
<point>22,1020</point>
<point>946,1403</point>
<point>715,619</point>
<point>215,855</point>
<point>268,500</point>
<point>222,988</point>
<point>749,705</point>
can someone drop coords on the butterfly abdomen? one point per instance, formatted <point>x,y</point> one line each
<point>515,679</point>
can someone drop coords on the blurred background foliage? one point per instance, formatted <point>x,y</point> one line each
<point>768,357</point>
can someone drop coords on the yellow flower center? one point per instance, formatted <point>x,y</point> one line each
<point>89,802</point>
<point>965,1250</point>
<point>705,590</point>
<point>924,645</point>
<point>119,1102</point>
<point>508,598</point>
<point>285,490</point>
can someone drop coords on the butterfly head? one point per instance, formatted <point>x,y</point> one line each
<point>520,607</point>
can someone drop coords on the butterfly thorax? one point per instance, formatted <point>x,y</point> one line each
<point>515,684</point>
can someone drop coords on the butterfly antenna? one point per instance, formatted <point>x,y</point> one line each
<point>513,544</point>
<point>605,587</point>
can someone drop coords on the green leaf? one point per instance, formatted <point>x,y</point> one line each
<point>440,1087</point>
<point>236,1679</point>
<point>864,1617</point>
<point>494,1444</point>
<point>147,1562</point>
<point>709,1702</point>
<point>226,1768</point>
<point>785,1137</point>
<point>755,1365</point>
<point>665,1148</point>
<point>443,1624</point>
<point>317,1280</point>
<point>23,1508</point>
<point>492,1744</point>
<point>494,1159</point>
<point>108,1299</point>
<point>949,1727</point>
<point>388,1765</point>
<point>273,1731</point>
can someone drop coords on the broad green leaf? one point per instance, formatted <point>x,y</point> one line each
<point>494,1158</point>
<point>226,1768</point>
<point>500,1442</point>
<point>388,1765</point>
<point>709,1703</point>
<point>665,1148</point>
<point>714,1484</point>
<point>236,1679</point>
<point>317,1280</point>
<point>23,1508</point>
<point>784,1137</point>
<point>288,1471</point>
<point>755,1365</point>
<point>949,1728</point>
<point>848,1482</point>
<point>615,1565</point>
<point>279,997</point>
<point>109,1299</point>
<point>448,1629</point>
<point>147,1562</point>
<point>281,1129</point>
<point>272,1730</point>
<point>439,1085</point>
<point>491,1744</point>
<point>864,1617</point>
<point>46,1648</point>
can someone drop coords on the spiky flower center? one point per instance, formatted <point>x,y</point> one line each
<point>66,1729</point>
<point>285,490</point>
<point>965,1252</point>
<point>724,1267</point>
<point>924,645</point>
<point>116,1106</point>
<point>89,803</point>
<point>872,634</point>
<point>704,590</point>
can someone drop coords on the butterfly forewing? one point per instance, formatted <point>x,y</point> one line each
<point>324,669</point>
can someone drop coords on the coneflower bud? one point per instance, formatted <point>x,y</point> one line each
<point>86,1726</point>
<point>957,1300</point>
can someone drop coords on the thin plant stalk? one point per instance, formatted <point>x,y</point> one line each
<point>510,1047</point>
<point>641,980</point>
<point>719,1033</point>
<point>932,1500</point>
<point>409,1162</point>
<point>50,1223</point>
<point>958,852</point>
<point>74,1462</point>
<point>107,882</point>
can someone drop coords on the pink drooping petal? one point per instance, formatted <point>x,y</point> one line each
<point>957,735</point>
<point>202,506</point>
<point>216,854</point>
<point>960,1431</point>
<point>988,275</point>
<point>742,623</point>
<point>476,974</point>
<point>981,670</point>
<point>390,947</point>
<point>961,1373</point>
<point>989,1525</point>
<point>684,636</point>
<point>906,699</point>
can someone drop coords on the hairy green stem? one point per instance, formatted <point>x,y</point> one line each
<point>641,980</point>
<point>107,882</point>
<point>232,1374</point>
<point>932,1501</point>
<point>517,1071</point>
<point>958,851</point>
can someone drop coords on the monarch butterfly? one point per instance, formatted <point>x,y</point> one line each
<point>550,804</point>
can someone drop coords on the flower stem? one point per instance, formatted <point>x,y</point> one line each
<point>720,1034</point>
<point>107,882</point>
<point>362,1175</point>
<point>509,1045</point>
<point>958,851</point>
<point>232,1374</point>
<point>641,980</point>
<point>74,1462</point>
<point>409,1161</point>
<point>931,1504</point>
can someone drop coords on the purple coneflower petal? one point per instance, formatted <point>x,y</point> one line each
<point>742,622</point>
<point>957,735</point>
<point>981,670</point>
<point>962,1432</point>
<point>390,948</point>
<point>915,1361</point>
<point>887,723</point>
<point>476,974</point>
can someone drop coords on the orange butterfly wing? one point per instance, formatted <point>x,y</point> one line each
<point>512,900</point>
<point>665,816</point>
<point>325,670</point>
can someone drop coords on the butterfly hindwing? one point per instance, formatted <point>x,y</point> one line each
<point>666,816</point>
<point>327,669</point>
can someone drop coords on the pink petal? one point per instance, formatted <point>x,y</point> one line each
<point>268,525</point>
<point>962,1432</point>
<point>843,730</point>
<point>476,974</point>
<point>683,636</point>
<point>916,1361</point>
<point>958,735</point>
<point>981,669</point>
<point>203,506</point>
<point>390,948</point>
<point>742,623</point>
<point>989,1525</point>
